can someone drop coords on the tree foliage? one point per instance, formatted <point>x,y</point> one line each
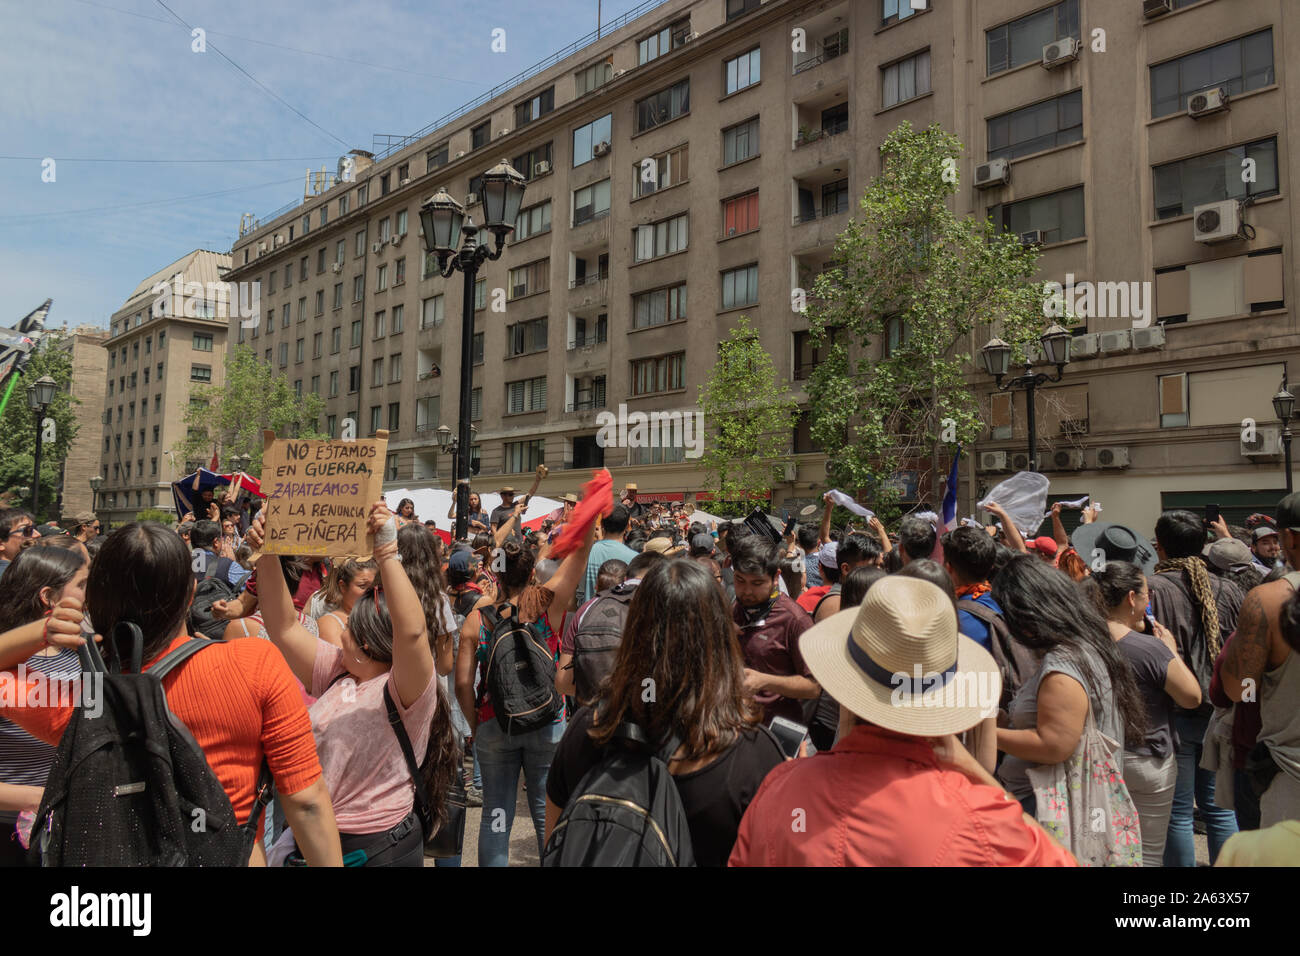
<point>230,417</point>
<point>749,416</point>
<point>910,281</point>
<point>18,424</point>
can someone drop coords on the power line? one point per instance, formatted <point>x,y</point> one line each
<point>167,162</point>
<point>259,83</point>
<point>151,202</point>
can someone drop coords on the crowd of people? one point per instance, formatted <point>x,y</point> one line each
<point>747,692</point>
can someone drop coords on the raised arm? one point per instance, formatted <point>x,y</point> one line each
<point>885,545</point>
<point>564,582</point>
<point>824,532</point>
<point>542,472</point>
<point>295,642</point>
<point>412,658</point>
<point>1008,526</point>
<point>502,533</point>
<point>61,629</point>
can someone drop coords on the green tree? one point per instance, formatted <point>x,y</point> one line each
<point>18,424</point>
<point>910,283</point>
<point>749,417</point>
<point>156,514</point>
<point>232,416</point>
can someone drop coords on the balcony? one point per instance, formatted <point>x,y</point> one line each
<point>826,37</point>
<point>807,135</point>
<point>589,292</point>
<point>588,340</point>
<point>586,404</point>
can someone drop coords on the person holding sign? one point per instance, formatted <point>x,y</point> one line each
<point>385,664</point>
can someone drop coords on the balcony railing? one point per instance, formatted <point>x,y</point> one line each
<point>582,341</point>
<point>807,135</point>
<point>589,280</point>
<point>585,405</point>
<point>590,292</point>
<point>825,211</point>
<point>821,54</point>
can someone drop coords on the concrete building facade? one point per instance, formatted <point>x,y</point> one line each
<point>696,163</point>
<point>83,461</point>
<point>168,336</point>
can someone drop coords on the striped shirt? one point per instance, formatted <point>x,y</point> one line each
<point>24,760</point>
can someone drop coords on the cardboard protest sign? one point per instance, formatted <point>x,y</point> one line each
<point>319,493</point>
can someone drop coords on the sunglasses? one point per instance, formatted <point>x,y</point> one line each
<point>27,531</point>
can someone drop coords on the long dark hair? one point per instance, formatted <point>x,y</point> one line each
<point>1109,587</point>
<point>1044,611</point>
<point>679,634</point>
<point>142,574</point>
<point>32,571</point>
<point>419,555</point>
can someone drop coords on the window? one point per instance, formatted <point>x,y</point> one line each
<point>660,238</point>
<point>343,206</point>
<point>331,423</point>
<point>895,336</point>
<point>400,221</point>
<point>300,350</point>
<point>202,342</point>
<point>394,368</point>
<point>285,316</point>
<point>302,309</point>
<point>737,8</point>
<point>359,244</point>
<point>297,388</point>
<point>385,229</point>
<point>590,202</point>
<point>480,295</point>
<point>270,282</point>
<point>379,324</point>
<point>480,135</point>
<point>316,346</point>
<point>284,354</point>
<point>363,193</point>
<point>475,191</point>
<point>302,269</point>
<point>835,198</point>
<point>268,356</point>
<point>1239,65</point>
<point>740,215</point>
<point>525,337</point>
<point>584,81</point>
<point>533,221</point>
<point>376,372</point>
<point>740,287</point>
<point>656,452</point>
<point>338,295</point>
<point>741,71</point>
<point>527,162</point>
<point>320,260</point>
<point>524,456</point>
<point>381,276</point>
<point>358,288</point>
<point>324,214</point>
<point>1021,41</point>
<point>437,157</point>
<point>394,419</point>
<point>666,169</point>
<point>476,405</point>
<point>476,348</point>
<point>659,306</point>
<point>891,11</point>
<point>385,184</point>
<point>376,413</point>
<point>526,395</point>
<point>1184,185</point>
<point>354,379</point>
<point>663,106</point>
<point>596,334</point>
<point>315,384</point>
<point>535,108</point>
<point>356,333</point>
<point>432,312</point>
<point>662,374</point>
<point>320,301</point>
<point>587,138</point>
<point>1220,288</point>
<point>526,280</point>
<point>665,40</point>
<point>808,356</point>
<point>740,142</point>
<point>200,373</point>
<point>148,345</point>
<point>906,79</point>
<point>1032,129</point>
<point>336,339</point>
<point>1173,401</point>
<point>334,386</point>
<point>1058,215</point>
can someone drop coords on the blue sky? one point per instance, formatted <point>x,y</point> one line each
<point>118,80</point>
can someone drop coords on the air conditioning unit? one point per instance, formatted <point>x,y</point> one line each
<point>337,267</point>
<point>1074,426</point>
<point>503,132</point>
<point>1207,103</point>
<point>279,240</point>
<point>1020,461</point>
<point>1155,8</point>
<point>1060,53</point>
<point>731,231</point>
<point>1084,346</point>
<point>1217,221</point>
<point>471,199</point>
<point>1034,237</point>
<point>1114,456</point>
<point>689,38</point>
<point>1067,459</point>
<point>996,172</point>
<point>397,239</point>
<point>542,168</point>
<point>1149,340</point>
<point>789,471</point>
<point>376,246</point>
<point>261,248</point>
<point>460,153</point>
<point>1118,341</point>
<point>405,182</point>
<point>600,149</point>
<point>1268,441</point>
<point>993,461</point>
<point>618,73</point>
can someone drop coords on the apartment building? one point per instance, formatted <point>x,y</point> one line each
<point>89,366</point>
<point>709,151</point>
<point>168,336</point>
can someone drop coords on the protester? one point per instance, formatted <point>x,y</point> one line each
<point>346,584</point>
<point>916,538</point>
<point>610,547</point>
<point>17,531</point>
<point>837,559</point>
<point>897,789</point>
<point>1266,545</point>
<point>1150,768</point>
<point>478,518</point>
<point>85,526</point>
<point>218,558</point>
<point>968,556</point>
<point>142,575</point>
<point>931,571</point>
<point>406,511</point>
<point>1200,610</point>
<point>419,556</point>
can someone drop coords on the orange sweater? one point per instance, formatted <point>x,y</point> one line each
<point>240,702</point>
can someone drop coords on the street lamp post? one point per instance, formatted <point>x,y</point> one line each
<point>95,484</point>
<point>1284,406</point>
<point>444,221</point>
<point>996,356</point>
<point>39,396</point>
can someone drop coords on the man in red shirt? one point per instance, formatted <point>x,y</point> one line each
<point>898,789</point>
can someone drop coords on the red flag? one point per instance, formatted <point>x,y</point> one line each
<point>213,465</point>
<point>597,501</point>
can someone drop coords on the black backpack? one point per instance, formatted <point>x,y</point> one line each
<point>595,643</point>
<point>1016,663</point>
<point>626,811</point>
<point>212,587</point>
<point>130,786</point>
<point>520,672</point>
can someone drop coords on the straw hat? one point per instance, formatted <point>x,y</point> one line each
<point>868,658</point>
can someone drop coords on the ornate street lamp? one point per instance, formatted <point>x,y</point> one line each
<point>996,359</point>
<point>39,396</point>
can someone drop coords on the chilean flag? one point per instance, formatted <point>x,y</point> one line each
<point>949,515</point>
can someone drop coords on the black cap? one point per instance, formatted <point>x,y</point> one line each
<point>1288,512</point>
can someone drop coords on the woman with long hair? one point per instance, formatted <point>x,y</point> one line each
<point>34,584</point>
<point>347,583</point>
<point>142,575</point>
<point>679,634</point>
<point>406,512</point>
<point>1120,593</point>
<point>478,518</point>
<point>1082,672</point>
<point>383,664</point>
<point>419,552</point>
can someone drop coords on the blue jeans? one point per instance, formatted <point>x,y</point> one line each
<point>1194,783</point>
<point>501,757</point>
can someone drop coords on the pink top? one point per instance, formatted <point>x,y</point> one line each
<point>369,783</point>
